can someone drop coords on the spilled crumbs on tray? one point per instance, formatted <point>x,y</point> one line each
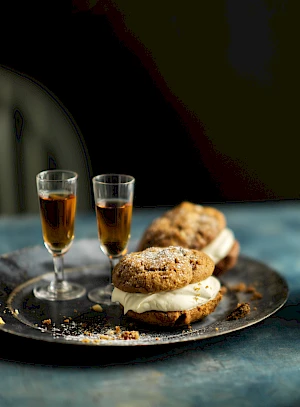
<point>91,331</point>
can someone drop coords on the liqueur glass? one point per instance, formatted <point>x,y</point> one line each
<point>57,194</point>
<point>113,195</point>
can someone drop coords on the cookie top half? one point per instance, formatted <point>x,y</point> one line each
<point>158,269</point>
<point>187,224</point>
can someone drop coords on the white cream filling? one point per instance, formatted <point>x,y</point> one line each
<point>182,299</point>
<point>219,248</point>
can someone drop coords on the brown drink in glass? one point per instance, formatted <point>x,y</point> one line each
<point>57,192</point>
<point>114,223</point>
<point>58,218</point>
<point>113,195</point>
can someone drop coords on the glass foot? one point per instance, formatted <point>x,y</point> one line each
<point>65,291</point>
<point>101,295</point>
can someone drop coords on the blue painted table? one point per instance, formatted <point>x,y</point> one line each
<point>256,366</point>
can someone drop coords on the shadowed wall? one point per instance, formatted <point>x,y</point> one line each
<point>196,101</point>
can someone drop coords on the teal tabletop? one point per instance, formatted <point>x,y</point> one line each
<point>258,365</point>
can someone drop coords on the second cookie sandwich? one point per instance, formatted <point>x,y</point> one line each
<point>197,227</point>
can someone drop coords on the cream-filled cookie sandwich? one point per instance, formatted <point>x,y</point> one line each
<point>197,227</point>
<point>170,286</point>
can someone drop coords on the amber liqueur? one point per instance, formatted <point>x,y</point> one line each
<point>58,217</point>
<point>114,222</point>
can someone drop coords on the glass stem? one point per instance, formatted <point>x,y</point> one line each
<point>58,283</point>
<point>113,262</point>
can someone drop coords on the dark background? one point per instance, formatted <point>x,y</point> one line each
<point>243,146</point>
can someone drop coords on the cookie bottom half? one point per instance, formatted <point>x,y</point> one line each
<point>177,318</point>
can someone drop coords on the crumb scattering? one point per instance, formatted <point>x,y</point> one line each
<point>239,312</point>
<point>248,289</point>
<point>89,333</point>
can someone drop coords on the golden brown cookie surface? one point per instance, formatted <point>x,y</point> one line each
<point>158,269</point>
<point>187,225</point>
<point>191,226</point>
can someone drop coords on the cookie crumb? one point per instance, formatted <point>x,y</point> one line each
<point>240,287</point>
<point>2,322</point>
<point>97,308</point>
<point>106,337</point>
<point>239,312</point>
<point>248,289</point>
<point>130,335</point>
<point>47,322</point>
<point>256,296</point>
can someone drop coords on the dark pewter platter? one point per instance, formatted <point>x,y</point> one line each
<point>75,322</point>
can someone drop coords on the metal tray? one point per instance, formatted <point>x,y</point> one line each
<point>76,323</point>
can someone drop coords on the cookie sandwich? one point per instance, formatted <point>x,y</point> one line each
<point>197,227</point>
<point>170,286</point>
